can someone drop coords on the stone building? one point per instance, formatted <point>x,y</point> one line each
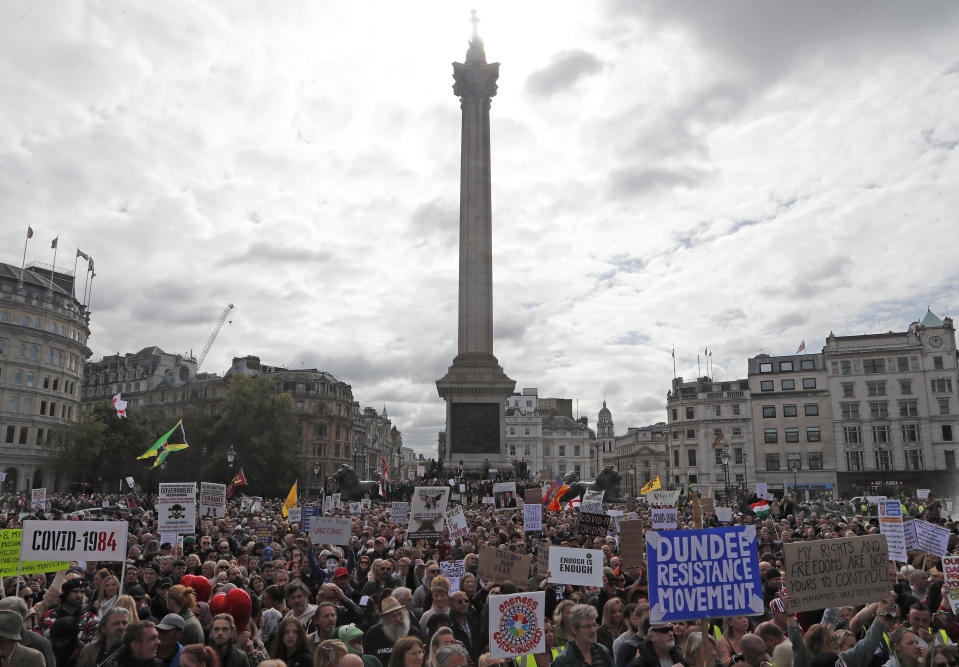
<point>605,438</point>
<point>641,454</point>
<point>44,330</point>
<point>375,440</point>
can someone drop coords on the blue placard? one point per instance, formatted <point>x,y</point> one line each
<point>307,513</point>
<point>703,573</point>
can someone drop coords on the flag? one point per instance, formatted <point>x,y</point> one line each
<point>82,254</point>
<point>29,232</point>
<point>290,501</point>
<point>761,508</point>
<point>719,439</point>
<point>802,346</point>
<point>239,479</point>
<point>386,473</point>
<point>553,494</point>
<point>574,503</point>
<point>171,441</point>
<point>652,485</point>
<point>53,243</point>
<point>90,265</point>
<point>120,405</point>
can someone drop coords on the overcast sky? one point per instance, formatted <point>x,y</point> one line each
<point>737,175</point>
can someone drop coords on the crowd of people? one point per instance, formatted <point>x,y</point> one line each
<point>383,601</point>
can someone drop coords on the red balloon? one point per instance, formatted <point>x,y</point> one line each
<point>218,604</point>
<point>240,606</point>
<point>202,586</point>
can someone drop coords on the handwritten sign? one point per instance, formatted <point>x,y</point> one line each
<point>662,497</point>
<point>664,518</point>
<point>10,555</point>
<point>516,624</point>
<point>399,512</point>
<point>593,525</point>
<point>38,499</point>
<point>74,540</point>
<point>330,530</point>
<point>294,514</point>
<point>456,520</point>
<point>909,528</point>
<point>532,517</point>
<point>577,567</point>
<point>632,544</point>
<point>500,565</point>
<point>761,489</point>
<point>724,514</point>
<point>890,525</point>
<point>932,538</point>
<point>703,573</point>
<point>837,572</point>
<point>453,570</point>
<point>542,559</point>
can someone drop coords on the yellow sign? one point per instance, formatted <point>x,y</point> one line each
<point>10,553</point>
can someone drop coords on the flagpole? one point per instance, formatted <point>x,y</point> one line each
<point>56,247</point>
<point>23,262</point>
<point>699,368</point>
<point>674,360</point>
<point>86,281</point>
<point>92,276</point>
<point>75,258</point>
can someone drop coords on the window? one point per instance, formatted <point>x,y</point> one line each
<point>576,450</point>
<point>14,404</point>
<point>693,479</point>
<point>792,434</point>
<point>676,458</point>
<point>769,411</point>
<point>813,434</point>
<point>772,461</point>
<point>943,404</point>
<point>876,388</point>
<point>738,456</point>
<point>11,433</point>
<point>527,451</point>
<point>785,366</point>
<point>675,414</point>
<point>845,367</point>
<point>789,385</point>
<point>675,435</point>
<point>950,460</point>
<point>526,431</point>
<point>879,409</point>
<point>937,363</point>
<point>718,410</point>
<point>905,387</point>
<point>880,434</point>
<point>691,457</point>
<point>849,410</point>
<point>770,436</point>
<point>736,409</point>
<point>690,434</point>
<point>766,385</point>
<point>512,430</point>
<point>512,450</point>
<point>24,434</point>
<point>811,409</point>
<point>793,461</point>
<point>737,432</point>
<point>873,365</point>
<point>807,365</point>
<point>809,383</point>
<point>910,432</point>
<point>56,383</point>
<point>39,436</point>
<point>790,411</point>
<point>852,435</point>
<point>562,450</point>
<point>815,460</point>
<point>690,413</point>
<point>765,368</point>
<point>908,408</point>
<point>43,407</point>
<point>947,432</point>
<point>913,459</point>
<point>942,385</point>
<point>848,389</point>
<point>902,363</point>
<point>719,456</point>
<point>546,451</point>
<point>883,459</point>
<point>18,377</point>
<point>854,461</point>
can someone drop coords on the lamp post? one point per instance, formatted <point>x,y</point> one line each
<point>724,460</point>
<point>635,473</point>
<point>745,479</point>
<point>230,456</point>
<point>794,466</point>
<point>316,474</point>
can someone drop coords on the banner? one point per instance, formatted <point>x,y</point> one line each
<point>38,499</point>
<point>516,624</point>
<point>74,540</point>
<point>593,525</point>
<point>890,525</point>
<point>504,495</point>
<point>662,497</point>
<point>212,500</point>
<point>577,567</point>
<point>932,538</point>
<point>331,530</point>
<point>400,512</point>
<point>702,573</point>
<point>664,518</point>
<point>456,520</point>
<point>500,565</point>
<point>632,543</point>
<point>453,570</point>
<point>837,572</point>
<point>533,517</point>
<point>950,567</point>
<point>10,555</point>
<point>427,511</point>
<point>592,502</point>
<point>176,508</point>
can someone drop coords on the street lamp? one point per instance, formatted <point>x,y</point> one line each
<point>635,473</point>
<point>724,460</point>
<point>745,480</point>
<point>230,456</point>
<point>795,466</point>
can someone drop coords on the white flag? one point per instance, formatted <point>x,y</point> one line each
<point>120,405</point>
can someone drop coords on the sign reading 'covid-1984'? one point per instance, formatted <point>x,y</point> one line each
<point>74,540</point>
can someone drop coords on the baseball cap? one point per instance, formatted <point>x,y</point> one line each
<point>267,553</point>
<point>341,572</point>
<point>171,621</point>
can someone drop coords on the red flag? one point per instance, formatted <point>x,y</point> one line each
<point>29,232</point>
<point>53,243</point>
<point>802,346</point>
<point>386,473</point>
<point>238,480</point>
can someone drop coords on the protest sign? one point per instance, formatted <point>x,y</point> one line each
<point>487,500</point>
<point>38,499</point>
<point>10,555</point>
<point>909,528</point>
<point>631,543</point>
<point>761,489</point>
<point>577,567</point>
<point>950,568</point>
<point>724,514</point>
<point>516,624</point>
<point>462,488</point>
<point>703,573</point>
<point>844,571</point>
<point>592,502</point>
<point>420,471</point>
<point>327,504</point>
<point>631,505</point>
<point>399,512</point>
<point>427,511</point>
<point>456,520</point>
<point>890,525</point>
<point>176,508</point>
<point>355,507</point>
<point>542,559</point>
<point>213,500</point>
<point>593,525</point>
<point>453,570</point>
<point>337,501</point>
<point>500,565</point>
<point>664,518</point>
<point>662,497</point>
<point>504,495</point>
<point>366,504</point>
<point>932,538</point>
<point>294,514</point>
<point>533,495</point>
<point>263,533</point>
<point>532,517</point>
<point>331,530</point>
<point>875,500</point>
<point>708,506</point>
<point>922,494</point>
<point>306,515</point>
<point>74,540</point>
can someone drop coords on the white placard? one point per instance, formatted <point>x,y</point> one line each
<point>355,507</point>
<point>922,494</point>
<point>932,538</point>
<point>330,530</point>
<point>176,508</point>
<point>130,482</point>
<point>366,504</point>
<point>662,497</point>
<point>177,492</point>
<point>428,510</point>
<point>337,501</point>
<point>761,489</point>
<point>909,528</point>
<point>664,518</point>
<point>875,500</point>
<point>400,512</point>
<point>724,514</point>
<point>504,495</point>
<point>456,521</point>
<point>890,525</point>
<point>453,570</point>
<point>532,517</point>
<point>212,500</point>
<point>592,502</point>
<point>294,514</point>
<point>38,498</point>
<point>577,567</point>
<point>462,488</point>
<point>74,540</point>
<point>488,500</point>
<point>517,624</point>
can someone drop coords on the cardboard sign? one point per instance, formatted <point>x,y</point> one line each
<point>74,540</point>
<point>176,508</point>
<point>577,567</point>
<point>453,570</point>
<point>400,512</point>
<point>533,495</point>
<point>456,520</point>
<point>592,502</point>
<point>932,538</point>
<point>837,572</point>
<point>427,511</point>
<point>294,514</point>
<point>662,497</point>
<point>504,495</point>
<point>517,624</point>
<point>213,500</point>
<point>500,565</point>
<point>331,530</point>
<point>703,573</point>
<point>632,543</point>
<point>665,518</point>
<point>593,525</point>
<point>890,525</point>
<point>10,555</point>
<point>922,494</point>
<point>542,559</point>
<point>708,505</point>
<point>950,567</point>
<point>533,517</point>
<point>631,505</point>
<point>38,499</point>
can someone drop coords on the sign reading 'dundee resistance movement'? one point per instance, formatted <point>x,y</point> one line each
<point>577,567</point>
<point>516,624</point>
<point>10,554</point>
<point>837,572</point>
<point>74,540</point>
<point>703,573</point>
<point>330,530</point>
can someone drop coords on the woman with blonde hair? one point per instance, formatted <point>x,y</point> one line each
<point>613,623</point>
<point>128,603</point>
<point>561,628</point>
<point>329,651</point>
<point>182,600</point>
<point>693,650</point>
<point>734,628</point>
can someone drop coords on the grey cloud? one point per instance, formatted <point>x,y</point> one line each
<point>631,338</point>
<point>648,404</point>
<point>632,181</point>
<point>787,321</point>
<point>260,253</point>
<point>436,220</point>
<point>728,316</point>
<point>628,264</point>
<point>563,71</point>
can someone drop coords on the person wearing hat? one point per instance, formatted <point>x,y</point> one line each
<point>30,639</point>
<point>352,637</point>
<point>71,604</point>
<point>12,652</point>
<point>169,630</point>
<point>393,623</point>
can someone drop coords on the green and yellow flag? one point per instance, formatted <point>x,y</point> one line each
<point>171,441</point>
<point>290,500</point>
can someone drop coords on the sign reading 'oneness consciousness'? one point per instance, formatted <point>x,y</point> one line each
<point>577,567</point>
<point>74,540</point>
<point>703,573</point>
<point>837,572</point>
<point>10,556</point>
<point>516,624</point>
<point>330,530</point>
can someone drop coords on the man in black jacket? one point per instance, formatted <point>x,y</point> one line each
<point>658,646</point>
<point>140,642</point>
<point>463,623</point>
<point>222,640</point>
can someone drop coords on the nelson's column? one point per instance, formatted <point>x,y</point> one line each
<point>475,387</point>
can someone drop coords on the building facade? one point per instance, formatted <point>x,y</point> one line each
<point>44,331</point>
<point>641,454</point>
<point>605,438</point>
<point>376,441</point>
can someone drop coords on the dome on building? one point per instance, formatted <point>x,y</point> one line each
<point>605,416</point>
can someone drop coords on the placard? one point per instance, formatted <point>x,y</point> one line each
<point>355,507</point>
<point>532,517</point>
<point>366,504</point>
<point>845,571</point>
<point>337,499</point>
<point>427,511</point>
<point>331,530</point>
<point>875,500</point>
<point>74,540</point>
<point>504,495</point>
<point>932,538</point>
<point>542,559</point>
<point>400,512</point>
<point>665,518</point>
<point>761,489</point>
<point>517,624</point>
<point>662,497</point>
<point>890,525</point>
<point>10,555</point>
<point>420,471</point>
<point>487,500</point>
<point>294,514</point>
<point>453,570</point>
<point>263,533</point>
<point>38,499</point>
<point>212,500</point>
<point>533,495</point>
<point>632,543</point>
<point>592,502</point>
<point>500,565</point>
<point>922,494</point>
<point>703,573</point>
<point>909,529</point>
<point>950,567</point>
<point>456,520</point>
<point>307,513</point>
<point>724,514</point>
<point>708,506</point>
<point>577,567</point>
<point>176,508</point>
<point>593,525</point>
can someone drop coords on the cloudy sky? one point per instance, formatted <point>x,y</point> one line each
<point>737,175</point>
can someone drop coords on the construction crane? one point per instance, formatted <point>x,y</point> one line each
<point>212,338</point>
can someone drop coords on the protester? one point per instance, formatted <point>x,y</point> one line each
<point>408,652</point>
<point>582,623</point>
<point>12,652</point>
<point>291,646</point>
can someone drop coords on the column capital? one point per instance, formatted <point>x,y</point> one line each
<point>474,80</point>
